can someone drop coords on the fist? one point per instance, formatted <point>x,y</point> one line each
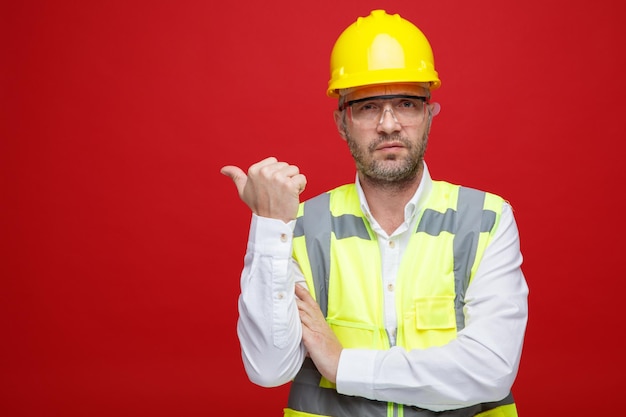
<point>270,188</point>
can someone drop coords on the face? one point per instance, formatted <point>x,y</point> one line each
<point>386,152</point>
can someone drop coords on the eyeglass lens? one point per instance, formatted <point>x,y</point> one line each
<point>406,110</point>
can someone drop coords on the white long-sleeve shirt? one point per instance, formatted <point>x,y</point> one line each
<point>479,366</point>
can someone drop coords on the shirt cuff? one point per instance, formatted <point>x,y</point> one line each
<point>355,373</point>
<point>270,237</point>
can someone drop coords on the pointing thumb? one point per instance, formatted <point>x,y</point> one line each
<point>237,175</point>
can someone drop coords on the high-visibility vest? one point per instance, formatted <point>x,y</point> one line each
<point>339,256</point>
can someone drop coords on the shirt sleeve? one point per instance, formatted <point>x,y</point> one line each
<point>268,326</point>
<point>480,365</point>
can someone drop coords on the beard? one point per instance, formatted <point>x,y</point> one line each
<point>394,171</point>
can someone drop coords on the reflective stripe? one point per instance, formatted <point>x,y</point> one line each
<point>326,401</point>
<point>319,222</point>
<point>317,218</point>
<point>349,225</point>
<point>476,220</point>
<point>470,209</point>
<point>307,393</point>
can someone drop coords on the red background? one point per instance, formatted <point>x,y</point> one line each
<point>122,244</point>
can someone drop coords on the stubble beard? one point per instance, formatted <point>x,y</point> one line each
<point>393,172</point>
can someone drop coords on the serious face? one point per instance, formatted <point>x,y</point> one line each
<point>386,129</point>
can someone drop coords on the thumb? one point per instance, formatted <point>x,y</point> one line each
<point>237,175</point>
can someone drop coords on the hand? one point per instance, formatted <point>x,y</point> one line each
<point>271,188</point>
<point>323,346</point>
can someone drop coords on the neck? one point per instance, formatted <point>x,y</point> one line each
<point>388,200</point>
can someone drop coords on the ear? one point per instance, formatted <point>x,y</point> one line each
<point>339,122</point>
<point>435,108</point>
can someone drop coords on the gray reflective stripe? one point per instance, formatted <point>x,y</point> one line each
<point>306,395</point>
<point>349,225</point>
<point>434,222</point>
<point>466,233</point>
<point>470,209</point>
<point>318,223</point>
<point>344,226</point>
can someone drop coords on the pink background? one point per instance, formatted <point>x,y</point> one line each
<point>122,244</point>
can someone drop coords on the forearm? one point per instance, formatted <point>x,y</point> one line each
<point>472,369</point>
<point>269,328</point>
<point>456,375</point>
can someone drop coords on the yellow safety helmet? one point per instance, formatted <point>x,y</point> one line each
<point>378,49</point>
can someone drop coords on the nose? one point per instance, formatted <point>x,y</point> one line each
<point>388,122</point>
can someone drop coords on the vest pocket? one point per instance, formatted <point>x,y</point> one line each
<point>355,335</point>
<point>431,322</point>
<point>435,313</point>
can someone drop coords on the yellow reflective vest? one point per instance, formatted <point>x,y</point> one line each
<point>339,256</point>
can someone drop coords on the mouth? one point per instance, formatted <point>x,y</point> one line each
<point>389,146</point>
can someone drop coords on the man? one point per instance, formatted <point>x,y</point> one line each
<point>397,295</point>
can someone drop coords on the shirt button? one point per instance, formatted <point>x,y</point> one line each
<point>392,244</point>
<point>283,237</point>
<point>280,295</point>
<point>390,287</point>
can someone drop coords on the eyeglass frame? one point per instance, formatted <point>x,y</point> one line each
<point>343,106</point>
